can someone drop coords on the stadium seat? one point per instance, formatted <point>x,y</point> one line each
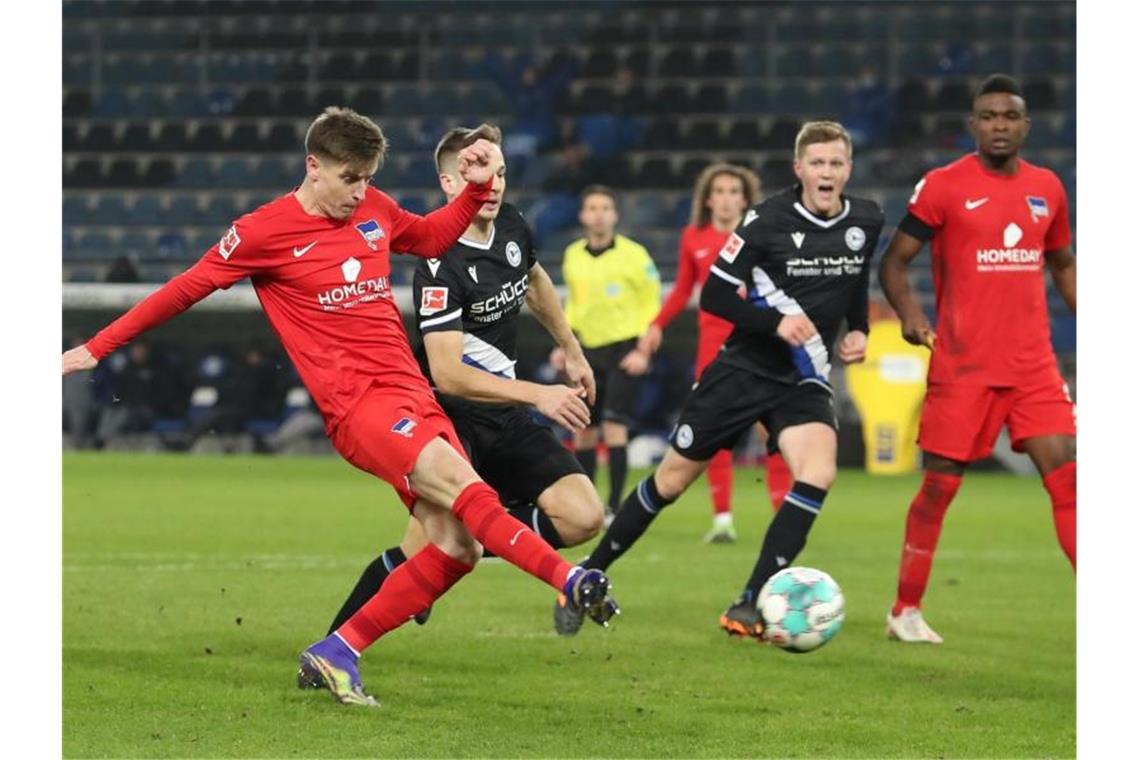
<point>207,137</point>
<point>753,62</point>
<point>776,174</point>
<point>134,245</point>
<point>148,103</point>
<point>920,59</point>
<point>184,210</point>
<point>830,100</point>
<point>185,103</point>
<point>644,210</point>
<point>403,100</point>
<point>99,137</point>
<point>637,61</point>
<point>196,173</point>
<point>245,138</point>
<point>256,101</point>
<point>718,62</point>
<point>86,172</point>
<point>703,135</point>
<point>136,137</point>
<point>122,173</point>
<point>109,209</point>
<point>914,96</point>
<point>147,210</point>
<point>220,210</point>
<point>76,103</point>
<point>159,172</point>
<point>677,62</point>
<point>656,172</point>
<point>171,245</point>
<point>680,212</point>
<point>283,136</point>
<point>792,99</point>
<point>601,63</point>
<point>368,101</point>
<point>95,245</point>
<point>76,209</point>
<point>744,134</point>
<point>953,96</point>
<point>710,98</point>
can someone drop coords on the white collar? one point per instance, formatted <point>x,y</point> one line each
<point>476,244</point>
<point>825,223</point>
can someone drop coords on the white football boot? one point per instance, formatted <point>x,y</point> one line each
<point>909,626</point>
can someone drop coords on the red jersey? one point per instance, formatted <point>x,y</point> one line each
<point>990,234</point>
<point>324,285</point>
<point>698,252</point>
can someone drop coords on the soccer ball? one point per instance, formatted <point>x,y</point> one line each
<point>802,609</point>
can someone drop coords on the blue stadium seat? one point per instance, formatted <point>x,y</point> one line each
<point>831,100</point>
<point>404,100</point>
<point>679,215</point>
<point>111,104</point>
<point>184,210</point>
<point>185,103</point>
<point>797,61</point>
<point>994,57</point>
<point>148,210</point>
<point>134,244</point>
<point>220,210</point>
<point>110,208</point>
<point>413,203</point>
<point>171,245</point>
<point>920,59</point>
<point>76,209</point>
<point>196,173</point>
<point>95,245</point>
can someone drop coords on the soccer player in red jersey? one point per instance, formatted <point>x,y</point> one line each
<point>318,258</point>
<point>995,222</point>
<point>721,194</point>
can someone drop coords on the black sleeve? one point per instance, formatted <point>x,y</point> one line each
<point>916,228</point>
<point>720,297</point>
<point>438,295</point>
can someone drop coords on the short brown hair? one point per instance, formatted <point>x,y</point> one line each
<point>459,138</point>
<point>344,136</point>
<point>700,214</point>
<point>598,190</point>
<point>821,132</point>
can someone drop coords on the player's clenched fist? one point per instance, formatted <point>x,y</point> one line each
<point>564,405</point>
<point>796,329</point>
<point>78,359</point>
<point>917,331</point>
<point>853,347</point>
<point>480,161</point>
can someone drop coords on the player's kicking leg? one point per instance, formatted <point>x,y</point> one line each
<point>810,450</point>
<point>671,478</point>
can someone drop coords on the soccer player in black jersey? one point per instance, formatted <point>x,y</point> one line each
<point>802,259</point>
<point>466,305</point>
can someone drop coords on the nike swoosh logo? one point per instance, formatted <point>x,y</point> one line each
<point>299,252</point>
<point>971,205</point>
<point>516,536</point>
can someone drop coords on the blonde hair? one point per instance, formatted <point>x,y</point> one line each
<point>459,138</point>
<point>821,132</point>
<point>344,136</point>
<point>700,214</point>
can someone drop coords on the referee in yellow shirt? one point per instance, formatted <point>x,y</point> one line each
<point>613,293</point>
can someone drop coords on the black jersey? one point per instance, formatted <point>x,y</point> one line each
<point>791,260</point>
<point>478,288</point>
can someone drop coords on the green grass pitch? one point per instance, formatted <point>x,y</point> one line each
<point>191,584</point>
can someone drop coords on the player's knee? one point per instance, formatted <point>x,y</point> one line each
<point>582,523</point>
<point>460,545</point>
<point>820,474</point>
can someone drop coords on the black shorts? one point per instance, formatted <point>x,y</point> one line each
<point>728,400</point>
<point>510,450</point>
<point>617,389</point>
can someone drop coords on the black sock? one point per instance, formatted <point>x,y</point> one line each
<point>369,583</point>
<point>588,458</point>
<point>786,535</point>
<point>535,519</point>
<point>636,513</point>
<point>618,468</point>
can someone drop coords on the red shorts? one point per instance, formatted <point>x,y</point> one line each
<point>962,422</point>
<point>386,431</point>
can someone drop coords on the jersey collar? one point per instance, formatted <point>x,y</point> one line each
<point>819,221</point>
<point>481,246</point>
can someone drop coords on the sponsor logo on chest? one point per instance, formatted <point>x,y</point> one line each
<point>354,291</point>
<point>1010,257</point>
<point>494,307</point>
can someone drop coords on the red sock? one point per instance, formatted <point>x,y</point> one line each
<point>479,508</point>
<point>923,526</point>
<point>720,481</point>
<point>409,589</point>
<point>779,479</point>
<point>1061,484</point>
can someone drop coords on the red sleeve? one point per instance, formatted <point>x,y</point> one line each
<point>926,202</point>
<point>171,299</point>
<point>1059,234</point>
<point>430,236</point>
<point>683,286</point>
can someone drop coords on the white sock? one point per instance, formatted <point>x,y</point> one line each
<point>722,520</point>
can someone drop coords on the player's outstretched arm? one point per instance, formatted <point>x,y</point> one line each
<point>1063,267</point>
<point>674,304</point>
<point>171,299</point>
<point>901,251</point>
<point>542,298</point>
<point>560,403</point>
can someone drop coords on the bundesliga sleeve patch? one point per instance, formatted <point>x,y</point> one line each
<point>433,300</point>
<point>732,248</point>
<point>229,243</point>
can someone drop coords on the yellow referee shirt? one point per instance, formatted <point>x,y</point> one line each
<point>613,295</point>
